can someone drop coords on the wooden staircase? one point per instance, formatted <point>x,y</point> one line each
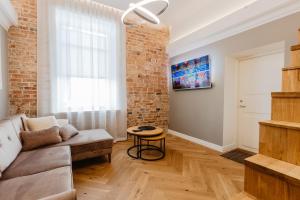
<point>274,173</point>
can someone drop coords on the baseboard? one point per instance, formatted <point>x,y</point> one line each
<point>197,141</point>
<point>229,147</point>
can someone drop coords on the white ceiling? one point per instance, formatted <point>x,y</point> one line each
<point>196,23</point>
<point>186,16</point>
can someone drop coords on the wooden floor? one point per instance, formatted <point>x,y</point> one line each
<point>188,172</point>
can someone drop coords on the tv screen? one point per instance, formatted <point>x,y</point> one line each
<point>192,74</point>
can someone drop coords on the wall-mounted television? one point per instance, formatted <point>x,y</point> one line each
<point>192,74</point>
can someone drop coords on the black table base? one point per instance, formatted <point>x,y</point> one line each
<point>140,148</point>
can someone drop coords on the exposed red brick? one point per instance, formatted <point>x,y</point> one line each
<point>147,86</point>
<point>22,59</point>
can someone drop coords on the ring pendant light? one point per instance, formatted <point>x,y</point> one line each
<point>143,12</point>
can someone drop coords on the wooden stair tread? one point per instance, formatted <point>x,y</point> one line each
<point>243,196</point>
<point>286,94</point>
<point>272,166</point>
<point>281,124</point>
<point>290,68</point>
<point>295,47</point>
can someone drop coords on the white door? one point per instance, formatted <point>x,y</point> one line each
<point>258,77</point>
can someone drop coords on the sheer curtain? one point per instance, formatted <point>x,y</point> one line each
<point>82,69</point>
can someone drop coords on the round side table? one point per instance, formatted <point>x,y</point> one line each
<point>137,139</point>
<point>161,149</point>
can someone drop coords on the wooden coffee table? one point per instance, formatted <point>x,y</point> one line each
<point>137,140</point>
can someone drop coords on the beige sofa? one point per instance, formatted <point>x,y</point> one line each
<point>44,173</point>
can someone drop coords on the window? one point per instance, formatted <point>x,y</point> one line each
<point>85,69</point>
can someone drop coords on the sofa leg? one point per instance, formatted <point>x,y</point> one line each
<point>109,157</point>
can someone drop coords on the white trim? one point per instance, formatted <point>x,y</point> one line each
<point>197,141</point>
<point>228,148</point>
<point>254,15</point>
<point>8,15</point>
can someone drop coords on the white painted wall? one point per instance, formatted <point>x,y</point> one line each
<point>200,113</point>
<point>3,74</point>
<point>230,114</point>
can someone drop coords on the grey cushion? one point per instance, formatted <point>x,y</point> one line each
<point>67,131</point>
<point>10,145</point>
<point>35,139</point>
<point>18,123</point>
<point>37,186</point>
<point>87,137</point>
<point>41,160</point>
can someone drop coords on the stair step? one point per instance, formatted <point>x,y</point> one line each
<point>286,94</point>
<point>284,170</point>
<point>295,56</point>
<point>243,196</point>
<point>290,68</point>
<point>268,178</point>
<point>280,140</point>
<point>295,47</point>
<point>282,124</point>
<point>291,79</point>
<point>286,106</point>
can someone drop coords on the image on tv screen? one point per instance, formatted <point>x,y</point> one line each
<point>192,74</point>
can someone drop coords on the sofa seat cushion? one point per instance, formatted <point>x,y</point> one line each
<point>10,145</point>
<point>37,186</point>
<point>36,161</point>
<point>88,137</point>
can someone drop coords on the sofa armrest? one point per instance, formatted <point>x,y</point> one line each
<point>69,195</point>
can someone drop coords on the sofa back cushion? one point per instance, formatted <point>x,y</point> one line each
<point>10,145</point>
<point>18,123</point>
<point>41,123</point>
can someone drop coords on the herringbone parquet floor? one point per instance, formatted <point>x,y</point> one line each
<point>188,172</point>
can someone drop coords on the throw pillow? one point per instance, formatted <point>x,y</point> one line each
<point>35,139</point>
<point>67,131</point>
<point>25,126</point>
<point>41,123</point>
<point>62,122</point>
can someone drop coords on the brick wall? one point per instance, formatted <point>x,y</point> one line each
<point>22,59</point>
<point>147,61</point>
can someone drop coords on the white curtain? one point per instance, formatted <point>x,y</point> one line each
<point>81,64</point>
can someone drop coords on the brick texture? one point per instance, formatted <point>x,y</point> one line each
<point>147,61</point>
<point>22,59</point>
<point>147,84</point>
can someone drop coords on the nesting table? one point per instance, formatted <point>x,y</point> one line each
<point>146,136</point>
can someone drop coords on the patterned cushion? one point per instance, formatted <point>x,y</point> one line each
<point>10,145</point>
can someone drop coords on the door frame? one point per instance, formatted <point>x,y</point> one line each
<point>231,90</point>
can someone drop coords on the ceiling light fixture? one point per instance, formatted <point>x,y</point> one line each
<point>144,13</point>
